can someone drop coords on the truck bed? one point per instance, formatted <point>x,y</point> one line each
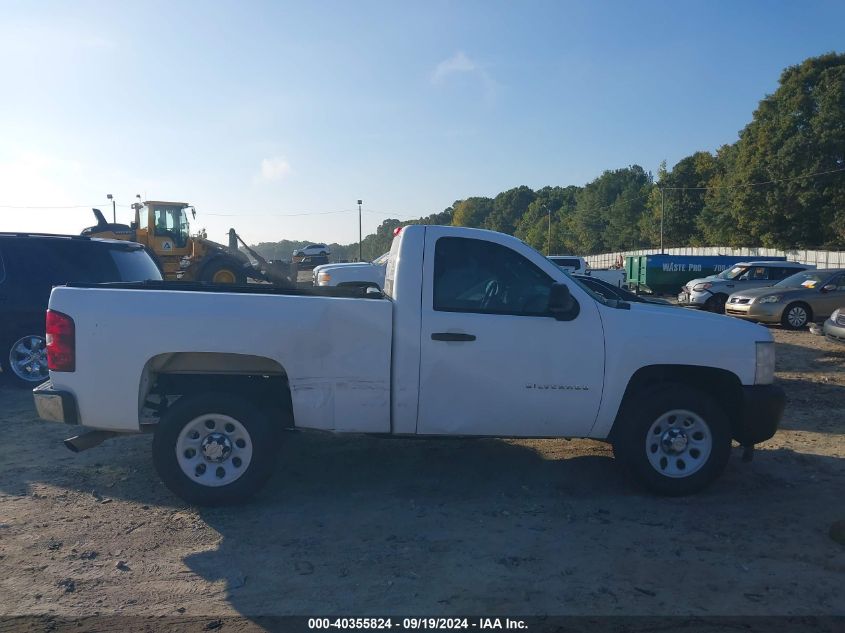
<point>332,345</point>
<point>253,289</point>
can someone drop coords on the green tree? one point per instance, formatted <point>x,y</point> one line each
<point>798,130</point>
<point>472,212</point>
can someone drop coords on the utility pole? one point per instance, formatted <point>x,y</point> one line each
<point>360,256</point>
<point>662,214</point>
<point>113,208</point>
<point>549,246</point>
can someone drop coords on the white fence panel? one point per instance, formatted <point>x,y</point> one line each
<point>820,259</point>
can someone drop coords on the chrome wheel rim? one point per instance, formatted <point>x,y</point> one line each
<point>28,358</point>
<point>678,443</point>
<point>214,450</point>
<point>797,316</point>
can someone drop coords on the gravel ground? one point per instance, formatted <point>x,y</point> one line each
<point>362,526</point>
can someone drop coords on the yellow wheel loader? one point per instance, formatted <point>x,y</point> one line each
<point>164,229</point>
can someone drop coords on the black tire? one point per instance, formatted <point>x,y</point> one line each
<point>633,429</point>
<point>716,303</point>
<point>323,253</point>
<point>791,313</point>
<point>262,439</point>
<point>223,267</point>
<point>18,376</point>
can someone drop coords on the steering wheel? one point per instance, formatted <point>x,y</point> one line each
<point>490,291</point>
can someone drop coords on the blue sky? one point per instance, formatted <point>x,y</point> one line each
<point>274,117</point>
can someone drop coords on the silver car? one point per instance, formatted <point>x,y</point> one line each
<point>711,293</point>
<point>807,296</point>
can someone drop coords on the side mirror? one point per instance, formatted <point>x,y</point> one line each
<point>829,288</point>
<point>562,306</point>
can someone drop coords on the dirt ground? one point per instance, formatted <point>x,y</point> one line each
<point>363,526</point>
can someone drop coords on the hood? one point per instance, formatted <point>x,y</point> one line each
<point>322,267</point>
<point>791,291</point>
<point>699,321</point>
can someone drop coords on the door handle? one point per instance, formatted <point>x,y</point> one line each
<point>452,336</point>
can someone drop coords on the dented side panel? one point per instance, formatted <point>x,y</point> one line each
<point>336,352</point>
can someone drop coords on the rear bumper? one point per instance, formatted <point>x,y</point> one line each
<point>54,405</point>
<point>762,413</point>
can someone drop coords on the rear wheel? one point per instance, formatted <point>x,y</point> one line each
<point>25,360</point>
<point>223,272</point>
<point>796,315</point>
<point>674,441</point>
<point>214,449</point>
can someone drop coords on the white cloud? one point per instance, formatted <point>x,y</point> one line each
<point>274,168</point>
<point>458,63</point>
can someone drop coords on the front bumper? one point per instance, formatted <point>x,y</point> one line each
<point>833,331</point>
<point>693,298</point>
<point>762,412</point>
<point>54,405</point>
<point>762,312</point>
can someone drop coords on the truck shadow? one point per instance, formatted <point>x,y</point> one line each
<point>364,525</point>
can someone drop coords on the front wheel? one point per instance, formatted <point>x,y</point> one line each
<point>795,316</point>
<point>224,272</point>
<point>716,303</point>
<point>25,360</point>
<point>674,441</point>
<point>214,449</point>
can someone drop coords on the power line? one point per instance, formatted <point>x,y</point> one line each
<point>78,206</point>
<point>755,184</point>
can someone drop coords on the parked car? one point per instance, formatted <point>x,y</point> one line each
<point>794,302</point>
<point>365,274</point>
<point>30,265</point>
<point>579,266</point>
<point>609,291</point>
<point>711,293</point>
<point>312,249</point>
<point>476,334</point>
<point>833,328</point>
<point>309,262</point>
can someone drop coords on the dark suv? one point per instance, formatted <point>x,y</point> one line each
<point>30,265</point>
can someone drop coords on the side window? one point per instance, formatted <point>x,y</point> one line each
<point>840,283</point>
<point>759,273</point>
<point>478,276</point>
<point>783,273</point>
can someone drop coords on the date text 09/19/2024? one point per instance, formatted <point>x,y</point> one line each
<point>417,623</point>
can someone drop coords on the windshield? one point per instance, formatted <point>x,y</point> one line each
<point>595,295</point>
<point>172,222</point>
<point>805,278</point>
<point>732,273</point>
<point>382,261</point>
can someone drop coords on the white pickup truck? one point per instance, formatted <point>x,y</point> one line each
<point>475,334</point>
<point>578,266</point>
<point>356,274</point>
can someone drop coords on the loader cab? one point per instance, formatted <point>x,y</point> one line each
<point>165,226</point>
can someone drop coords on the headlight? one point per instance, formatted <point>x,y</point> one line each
<point>769,299</point>
<point>702,286</point>
<point>835,315</point>
<point>323,279</point>
<point>764,372</point>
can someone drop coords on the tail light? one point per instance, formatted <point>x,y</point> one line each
<point>397,231</point>
<point>61,342</point>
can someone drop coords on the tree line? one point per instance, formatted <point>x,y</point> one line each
<point>780,185</point>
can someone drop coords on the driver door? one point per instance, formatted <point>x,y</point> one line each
<point>493,360</point>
